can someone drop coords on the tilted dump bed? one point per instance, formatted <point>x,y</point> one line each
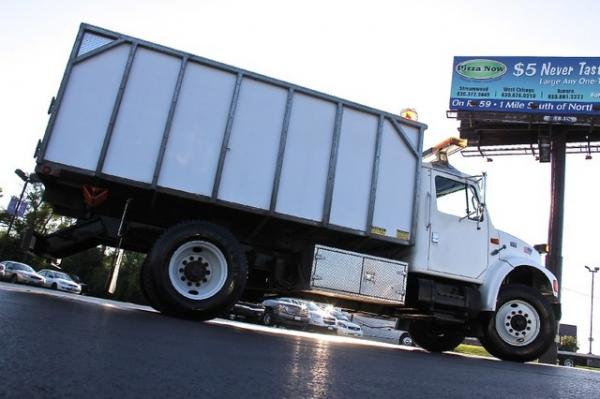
<point>137,113</point>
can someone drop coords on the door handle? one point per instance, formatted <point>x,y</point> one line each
<point>428,221</point>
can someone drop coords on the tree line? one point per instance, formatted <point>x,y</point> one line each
<point>92,266</point>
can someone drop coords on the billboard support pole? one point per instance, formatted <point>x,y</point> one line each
<point>556,222</point>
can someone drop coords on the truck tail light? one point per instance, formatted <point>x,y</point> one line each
<point>47,170</point>
<point>555,287</point>
<point>495,241</point>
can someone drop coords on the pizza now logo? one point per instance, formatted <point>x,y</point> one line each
<point>481,69</point>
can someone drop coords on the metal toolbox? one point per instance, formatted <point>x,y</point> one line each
<point>354,275</point>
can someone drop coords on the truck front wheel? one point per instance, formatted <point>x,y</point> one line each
<point>197,270</point>
<point>434,337</point>
<point>522,327</point>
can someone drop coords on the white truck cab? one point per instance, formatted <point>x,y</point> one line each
<point>456,241</point>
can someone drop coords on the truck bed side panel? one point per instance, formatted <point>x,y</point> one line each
<point>253,147</point>
<point>393,168</point>
<point>139,127</point>
<point>139,114</point>
<point>305,165</point>
<point>192,152</point>
<point>352,185</point>
<point>86,107</point>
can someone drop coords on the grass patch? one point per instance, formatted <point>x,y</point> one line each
<point>480,351</point>
<point>472,350</point>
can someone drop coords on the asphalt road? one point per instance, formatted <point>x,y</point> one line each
<point>62,345</point>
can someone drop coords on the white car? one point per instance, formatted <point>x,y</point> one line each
<point>349,329</point>
<point>17,272</point>
<point>60,281</point>
<point>344,326</point>
<point>319,319</point>
<point>405,339</point>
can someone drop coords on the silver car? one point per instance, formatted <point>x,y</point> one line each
<point>60,281</point>
<point>17,272</point>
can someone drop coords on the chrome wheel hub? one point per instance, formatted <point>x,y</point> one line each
<point>198,270</point>
<point>517,323</point>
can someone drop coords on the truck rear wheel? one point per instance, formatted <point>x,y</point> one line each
<point>522,327</point>
<point>149,290</point>
<point>195,270</point>
<point>434,337</point>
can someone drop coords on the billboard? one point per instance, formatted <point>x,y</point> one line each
<point>542,85</point>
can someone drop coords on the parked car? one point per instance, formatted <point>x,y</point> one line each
<point>572,359</point>
<point>285,311</point>
<point>60,281</point>
<point>17,272</point>
<point>83,285</point>
<point>347,328</point>
<point>344,326</point>
<point>405,339</point>
<point>319,319</point>
<point>247,311</point>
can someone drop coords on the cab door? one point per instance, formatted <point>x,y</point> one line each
<point>458,234</point>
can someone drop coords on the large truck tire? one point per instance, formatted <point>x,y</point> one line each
<point>434,337</point>
<point>149,290</point>
<point>195,270</point>
<point>522,327</point>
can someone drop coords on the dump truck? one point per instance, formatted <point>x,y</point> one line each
<point>239,186</point>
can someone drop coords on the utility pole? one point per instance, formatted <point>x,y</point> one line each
<point>591,339</point>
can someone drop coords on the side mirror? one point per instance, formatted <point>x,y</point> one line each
<point>481,211</point>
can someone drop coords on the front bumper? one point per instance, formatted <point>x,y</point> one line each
<point>348,333</point>
<point>30,281</point>
<point>69,289</point>
<point>289,319</point>
<point>321,327</point>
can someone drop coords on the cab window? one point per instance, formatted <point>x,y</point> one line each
<point>457,198</point>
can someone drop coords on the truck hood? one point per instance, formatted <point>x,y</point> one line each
<point>515,247</point>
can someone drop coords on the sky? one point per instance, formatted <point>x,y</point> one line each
<point>384,54</point>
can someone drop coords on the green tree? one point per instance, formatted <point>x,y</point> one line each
<point>128,284</point>
<point>92,266</point>
<point>568,343</point>
<point>39,214</point>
